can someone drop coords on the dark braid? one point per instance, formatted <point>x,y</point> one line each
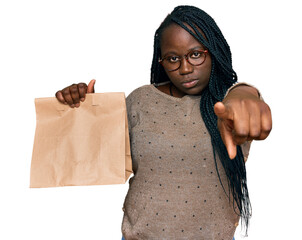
<point>222,77</point>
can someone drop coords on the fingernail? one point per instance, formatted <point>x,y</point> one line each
<point>72,105</point>
<point>82,99</point>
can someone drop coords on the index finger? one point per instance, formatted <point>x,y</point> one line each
<point>222,111</point>
<point>60,97</point>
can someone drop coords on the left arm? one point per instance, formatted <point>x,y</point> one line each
<point>242,116</point>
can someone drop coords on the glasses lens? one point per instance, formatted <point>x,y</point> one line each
<point>171,63</point>
<point>196,57</point>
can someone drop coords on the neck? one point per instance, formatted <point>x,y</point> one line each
<point>175,92</point>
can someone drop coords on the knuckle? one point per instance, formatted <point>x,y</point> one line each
<point>255,105</point>
<point>65,91</point>
<point>266,132</point>
<point>265,108</point>
<point>240,140</point>
<point>73,90</point>
<point>58,94</point>
<point>252,103</point>
<point>263,136</point>
<point>242,133</point>
<point>255,134</point>
<point>82,85</point>
<point>243,102</point>
<point>268,126</point>
<point>73,86</point>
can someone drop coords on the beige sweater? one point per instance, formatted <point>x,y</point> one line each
<point>175,192</point>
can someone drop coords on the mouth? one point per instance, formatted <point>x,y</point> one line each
<point>190,84</point>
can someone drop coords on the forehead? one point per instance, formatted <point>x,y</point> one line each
<point>176,39</point>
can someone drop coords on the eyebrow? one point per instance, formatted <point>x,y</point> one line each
<point>191,49</point>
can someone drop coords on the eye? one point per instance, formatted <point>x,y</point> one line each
<point>196,54</point>
<point>173,59</point>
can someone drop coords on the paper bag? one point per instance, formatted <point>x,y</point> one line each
<point>88,145</point>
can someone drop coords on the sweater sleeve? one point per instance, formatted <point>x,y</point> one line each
<point>132,114</point>
<point>242,84</point>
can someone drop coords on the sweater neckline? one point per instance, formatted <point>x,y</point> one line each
<point>156,90</point>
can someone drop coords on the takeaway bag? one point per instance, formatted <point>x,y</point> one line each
<point>88,145</point>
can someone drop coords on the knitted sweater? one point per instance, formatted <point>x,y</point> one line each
<point>175,192</point>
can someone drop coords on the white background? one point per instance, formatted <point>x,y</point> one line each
<point>47,45</point>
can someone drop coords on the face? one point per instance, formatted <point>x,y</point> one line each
<point>188,79</point>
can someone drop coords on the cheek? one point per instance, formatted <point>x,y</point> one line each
<point>205,70</point>
<point>203,73</point>
<point>172,75</point>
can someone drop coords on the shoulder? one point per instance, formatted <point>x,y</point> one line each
<point>140,93</point>
<point>145,89</point>
<point>136,101</point>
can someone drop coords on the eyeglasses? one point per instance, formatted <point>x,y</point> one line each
<point>173,62</point>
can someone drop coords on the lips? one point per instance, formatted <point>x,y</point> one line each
<point>190,84</point>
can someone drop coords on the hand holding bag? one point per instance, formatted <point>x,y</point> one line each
<point>88,145</point>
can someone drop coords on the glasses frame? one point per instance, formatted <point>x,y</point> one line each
<point>186,57</point>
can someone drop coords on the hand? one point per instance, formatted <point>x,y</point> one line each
<point>73,94</point>
<point>242,117</point>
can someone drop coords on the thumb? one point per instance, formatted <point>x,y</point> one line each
<point>90,87</point>
<point>221,111</point>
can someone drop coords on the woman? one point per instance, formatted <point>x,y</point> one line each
<point>185,127</point>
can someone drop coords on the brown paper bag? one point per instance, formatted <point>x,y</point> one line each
<point>88,145</point>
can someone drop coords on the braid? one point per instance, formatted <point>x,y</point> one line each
<point>222,77</point>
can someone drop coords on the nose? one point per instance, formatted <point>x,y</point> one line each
<point>185,67</point>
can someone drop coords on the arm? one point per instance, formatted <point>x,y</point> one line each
<point>242,116</point>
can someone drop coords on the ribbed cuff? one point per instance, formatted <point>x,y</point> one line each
<point>242,84</point>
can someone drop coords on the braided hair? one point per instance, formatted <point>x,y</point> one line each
<point>222,77</point>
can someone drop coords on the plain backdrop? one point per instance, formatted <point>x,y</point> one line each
<point>48,45</point>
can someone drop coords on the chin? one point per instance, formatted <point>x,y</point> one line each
<point>194,91</point>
